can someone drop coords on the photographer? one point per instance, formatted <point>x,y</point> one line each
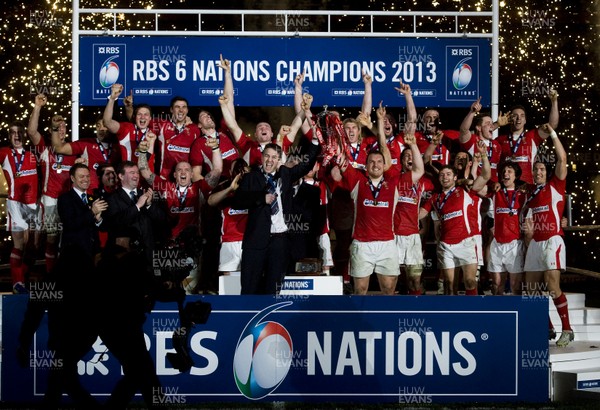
<point>81,215</point>
<point>133,222</point>
<point>120,321</point>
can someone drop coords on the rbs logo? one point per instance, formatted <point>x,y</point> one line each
<point>108,50</point>
<point>462,52</point>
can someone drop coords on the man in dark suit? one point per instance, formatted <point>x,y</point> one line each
<point>267,193</point>
<point>306,224</point>
<point>80,214</point>
<point>132,219</point>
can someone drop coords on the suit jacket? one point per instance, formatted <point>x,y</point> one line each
<point>307,211</point>
<point>123,219</point>
<point>251,195</point>
<point>79,230</point>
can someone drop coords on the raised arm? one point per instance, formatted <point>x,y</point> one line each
<point>552,117</point>
<point>298,99</point>
<point>435,140</point>
<point>107,117</point>
<point>503,119</point>
<point>225,65</point>
<point>298,81</point>
<point>217,197</point>
<point>58,126</point>
<point>365,121</point>
<point>367,103</point>
<point>229,118</point>
<point>486,170</point>
<point>411,110</point>
<point>381,137</point>
<point>475,164</point>
<point>465,126</point>
<point>146,147</point>
<point>58,144</point>
<point>560,170</point>
<point>306,113</point>
<point>312,150</point>
<point>34,119</point>
<point>418,167</point>
<point>290,131</point>
<point>128,103</point>
<point>212,178</point>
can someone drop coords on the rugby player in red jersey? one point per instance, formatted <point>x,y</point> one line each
<point>457,246</point>
<point>546,255</point>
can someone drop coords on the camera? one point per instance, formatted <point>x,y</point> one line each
<point>194,313</point>
<point>175,262</point>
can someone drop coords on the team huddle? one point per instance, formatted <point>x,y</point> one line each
<point>268,202</point>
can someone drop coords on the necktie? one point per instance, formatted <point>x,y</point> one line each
<point>271,185</point>
<point>84,198</point>
<point>133,196</point>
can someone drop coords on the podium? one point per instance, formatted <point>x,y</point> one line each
<point>292,285</point>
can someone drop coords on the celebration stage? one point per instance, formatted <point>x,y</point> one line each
<point>372,349</point>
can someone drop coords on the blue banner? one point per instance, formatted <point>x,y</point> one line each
<point>323,349</point>
<point>441,72</point>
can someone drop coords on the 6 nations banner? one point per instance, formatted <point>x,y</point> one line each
<point>321,349</point>
<point>441,72</point>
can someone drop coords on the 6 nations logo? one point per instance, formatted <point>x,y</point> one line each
<point>257,369</point>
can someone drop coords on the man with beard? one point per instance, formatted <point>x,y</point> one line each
<point>341,207</point>
<point>184,197</point>
<point>373,247</point>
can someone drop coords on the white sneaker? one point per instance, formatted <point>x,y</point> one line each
<point>20,289</point>
<point>566,337</point>
<point>440,290</point>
